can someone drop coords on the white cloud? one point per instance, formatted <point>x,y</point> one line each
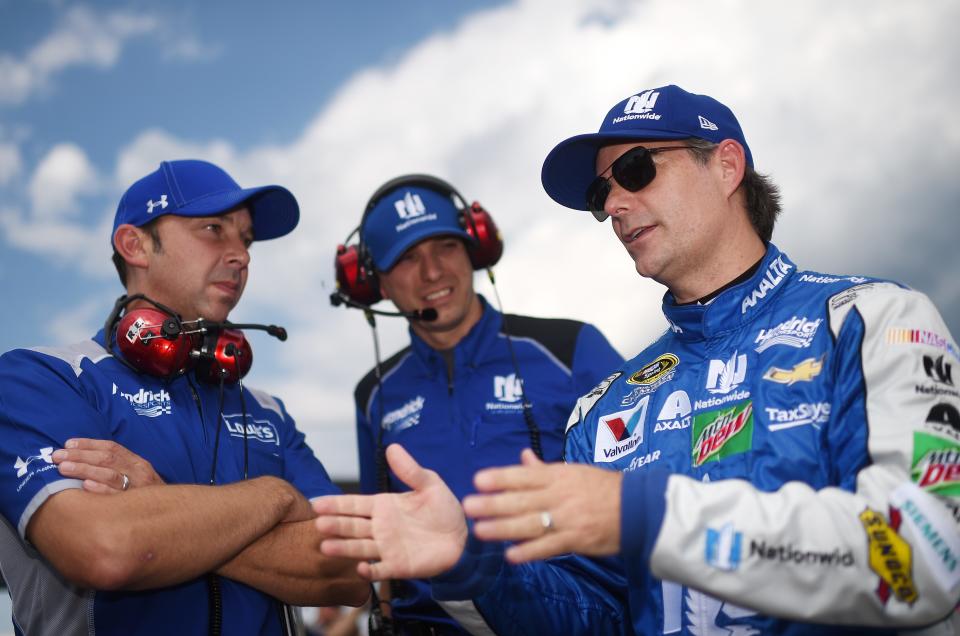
<point>82,37</point>
<point>11,163</point>
<point>848,105</point>
<point>64,174</point>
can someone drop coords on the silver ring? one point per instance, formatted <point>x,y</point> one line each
<point>125,481</point>
<point>546,520</point>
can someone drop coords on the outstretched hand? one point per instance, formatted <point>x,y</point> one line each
<point>415,534</point>
<point>104,465</point>
<point>547,509</point>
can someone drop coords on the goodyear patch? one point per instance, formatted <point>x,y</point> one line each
<point>722,433</point>
<point>890,556</point>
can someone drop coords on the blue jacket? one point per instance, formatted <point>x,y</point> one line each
<point>790,449</point>
<point>48,395</point>
<point>459,423</point>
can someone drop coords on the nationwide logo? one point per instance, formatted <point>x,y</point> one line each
<point>675,413</point>
<point>788,554</point>
<point>724,376</point>
<point>796,332</point>
<point>773,276</point>
<point>621,433</point>
<point>259,430</point>
<point>404,417</point>
<point>812,413</point>
<point>21,465</point>
<point>724,548</point>
<point>722,433</point>
<point>508,390</point>
<point>147,403</point>
<point>803,372</point>
<point>898,335</point>
<point>410,206</point>
<point>824,280</point>
<point>936,464</point>
<point>938,370</point>
<point>639,107</point>
<point>890,556</point>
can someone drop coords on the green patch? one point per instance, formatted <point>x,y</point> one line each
<point>936,464</point>
<point>722,432</point>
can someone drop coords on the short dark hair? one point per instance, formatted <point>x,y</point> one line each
<point>761,194</point>
<point>121,264</point>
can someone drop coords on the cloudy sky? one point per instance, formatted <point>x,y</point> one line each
<point>849,106</point>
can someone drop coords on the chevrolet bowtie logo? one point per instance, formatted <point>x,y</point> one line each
<point>802,372</point>
<point>162,203</point>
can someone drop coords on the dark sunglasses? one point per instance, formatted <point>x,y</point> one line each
<point>633,170</point>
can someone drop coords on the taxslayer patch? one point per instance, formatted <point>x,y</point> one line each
<point>722,433</point>
<point>652,372</point>
<point>936,464</point>
<point>890,556</point>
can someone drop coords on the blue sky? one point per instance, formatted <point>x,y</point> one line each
<point>850,106</point>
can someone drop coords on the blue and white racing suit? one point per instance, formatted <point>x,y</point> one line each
<point>790,450</point>
<point>48,395</point>
<point>462,412</point>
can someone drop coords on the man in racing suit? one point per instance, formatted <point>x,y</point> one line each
<point>474,387</point>
<point>785,456</point>
<point>208,529</point>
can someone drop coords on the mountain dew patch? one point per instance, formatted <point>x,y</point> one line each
<point>722,432</point>
<point>936,464</point>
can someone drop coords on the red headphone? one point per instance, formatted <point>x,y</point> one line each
<point>356,274</point>
<point>159,343</point>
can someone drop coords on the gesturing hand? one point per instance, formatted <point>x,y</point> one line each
<point>104,466</point>
<point>415,534</point>
<point>547,509</point>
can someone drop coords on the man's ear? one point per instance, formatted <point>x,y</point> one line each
<point>733,164</point>
<point>132,244</point>
<point>383,290</point>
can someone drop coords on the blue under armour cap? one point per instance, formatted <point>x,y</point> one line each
<point>189,187</point>
<point>667,112</point>
<point>405,216</point>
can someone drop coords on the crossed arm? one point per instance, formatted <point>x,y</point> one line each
<point>259,531</point>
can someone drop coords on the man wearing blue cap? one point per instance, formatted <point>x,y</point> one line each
<point>783,460</point>
<point>208,529</point>
<point>475,386</point>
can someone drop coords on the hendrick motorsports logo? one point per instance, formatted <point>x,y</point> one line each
<point>796,332</point>
<point>147,403</point>
<point>259,430</point>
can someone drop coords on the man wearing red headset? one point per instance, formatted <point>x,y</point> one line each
<point>475,386</point>
<point>146,491</point>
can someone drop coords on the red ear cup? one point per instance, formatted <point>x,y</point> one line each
<point>489,246</point>
<point>154,342</point>
<point>354,277</point>
<point>231,356</point>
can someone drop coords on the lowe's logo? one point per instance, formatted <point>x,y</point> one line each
<point>259,430</point>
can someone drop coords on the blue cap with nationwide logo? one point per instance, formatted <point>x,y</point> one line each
<point>667,112</point>
<point>190,187</point>
<point>405,216</point>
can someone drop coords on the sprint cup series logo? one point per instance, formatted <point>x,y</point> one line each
<point>722,433</point>
<point>620,433</point>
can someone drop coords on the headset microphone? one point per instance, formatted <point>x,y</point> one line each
<point>429,314</point>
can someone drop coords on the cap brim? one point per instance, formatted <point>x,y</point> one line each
<point>396,250</point>
<point>274,209</point>
<point>570,167</point>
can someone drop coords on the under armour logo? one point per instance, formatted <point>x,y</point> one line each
<point>46,454</point>
<point>938,370</point>
<point>642,103</point>
<point>409,206</point>
<point>162,203</point>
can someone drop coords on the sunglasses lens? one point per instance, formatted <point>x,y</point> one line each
<point>634,170</point>
<point>597,197</point>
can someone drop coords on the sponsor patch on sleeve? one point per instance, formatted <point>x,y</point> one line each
<point>934,535</point>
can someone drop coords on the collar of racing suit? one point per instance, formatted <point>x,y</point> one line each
<point>467,352</point>
<point>735,306</point>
